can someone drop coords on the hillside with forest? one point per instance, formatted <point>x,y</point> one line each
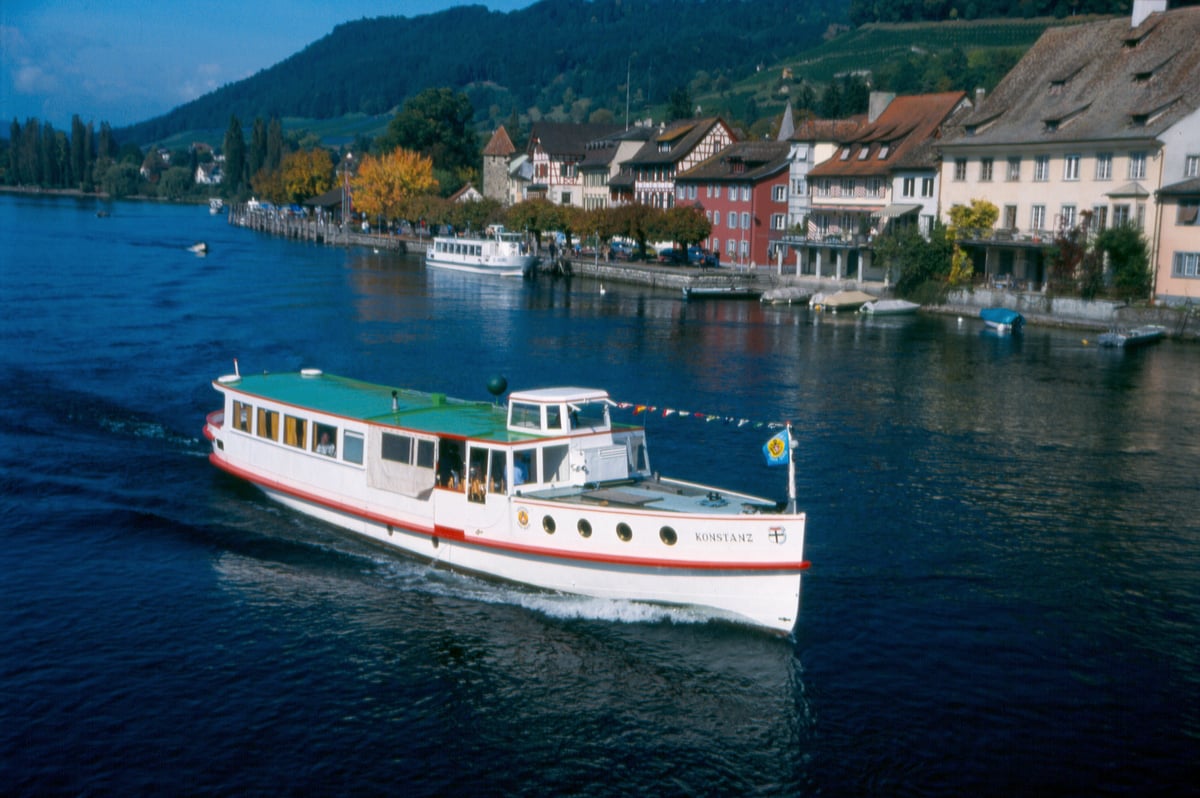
<point>578,55</point>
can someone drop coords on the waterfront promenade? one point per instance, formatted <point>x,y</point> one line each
<point>1038,307</point>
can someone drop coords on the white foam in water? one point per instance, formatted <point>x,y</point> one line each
<point>441,582</point>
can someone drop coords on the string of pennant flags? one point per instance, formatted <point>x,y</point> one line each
<point>708,418</point>
<point>777,450</point>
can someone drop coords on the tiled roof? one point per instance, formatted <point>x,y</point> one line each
<point>1101,80</point>
<point>902,137</point>
<point>1185,188</point>
<point>567,138</point>
<point>741,161</point>
<point>681,138</point>
<point>500,144</point>
<point>828,129</point>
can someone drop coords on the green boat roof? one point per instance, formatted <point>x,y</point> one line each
<point>433,413</point>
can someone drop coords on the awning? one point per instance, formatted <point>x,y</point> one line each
<point>871,209</point>
<point>893,211</point>
<point>1133,189</point>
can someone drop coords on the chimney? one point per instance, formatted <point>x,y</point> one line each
<point>980,93</point>
<point>879,102</point>
<point>1144,8</point>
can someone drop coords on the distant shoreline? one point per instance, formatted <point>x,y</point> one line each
<point>100,195</point>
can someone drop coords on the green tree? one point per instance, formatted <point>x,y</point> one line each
<point>234,147</point>
<point>1129,259</point>
<point>175,183</point>
<point>968,221</point>
<point>256,155</point>
<point>679,104</point>
<point>685,225</point>
<point>437,124</point>
<point>920,266</point>
<point>274,144</point>
<point>120,179</point>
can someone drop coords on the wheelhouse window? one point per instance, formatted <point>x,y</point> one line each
<point>526,415</point>
<point>325,439</point>
<point>268,424</point>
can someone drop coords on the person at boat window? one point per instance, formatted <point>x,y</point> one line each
<point>475,486</point>
<point>450,467</point>
<point>326,446</point>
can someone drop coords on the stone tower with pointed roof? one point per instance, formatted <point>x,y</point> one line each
<point>496,157</point>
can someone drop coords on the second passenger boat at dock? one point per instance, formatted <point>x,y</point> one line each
<point>495,252</point>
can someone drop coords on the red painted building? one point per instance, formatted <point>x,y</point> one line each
<point>743,191</point>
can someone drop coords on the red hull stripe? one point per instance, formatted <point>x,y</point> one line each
<point>459,535</point>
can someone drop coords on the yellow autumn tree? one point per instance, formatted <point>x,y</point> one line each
<point>384,183</point>
<point>306,173</point>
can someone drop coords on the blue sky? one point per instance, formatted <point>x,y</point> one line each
<point>125,61</point>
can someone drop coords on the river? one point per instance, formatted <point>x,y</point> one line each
<point>1003,532</point>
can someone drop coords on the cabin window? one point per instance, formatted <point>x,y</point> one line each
<point>241,416</point>
<point>352,447</point>
<point>477,474</point>
<point>524,466</point>
<point>668,535</point>
<point>497,482</point>
<point>554,464</point>
<point>585,528</point>
<point>425,453</point>
<point>553,417</point>
<point>624,532</point>
<point>397,448</point>
<point>325,440</point>
<point>268,424</point>
<point>294,430</point>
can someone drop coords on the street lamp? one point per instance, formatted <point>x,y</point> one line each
<point>346,165</point>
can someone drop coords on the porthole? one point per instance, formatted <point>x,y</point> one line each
<point>624,532</point>
<point>668,536</point>
<point>548,524</point>
<point>585,528</point>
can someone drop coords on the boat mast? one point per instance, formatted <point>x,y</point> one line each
<point>791,505</point>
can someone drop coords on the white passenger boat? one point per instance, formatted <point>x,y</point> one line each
<point>546,490</point>
<point>495,252</point>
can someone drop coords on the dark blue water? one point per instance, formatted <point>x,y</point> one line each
<point>1004,596</point>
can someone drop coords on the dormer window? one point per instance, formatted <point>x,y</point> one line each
<point>1057,86</point>
<point>884,149</point>
<point>863,153</point>
<point>664,146</point>
<point>845,153</point>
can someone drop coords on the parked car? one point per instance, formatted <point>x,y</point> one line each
<point>698,256</point>
<point>620,250</point>
<point>672,255</point>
